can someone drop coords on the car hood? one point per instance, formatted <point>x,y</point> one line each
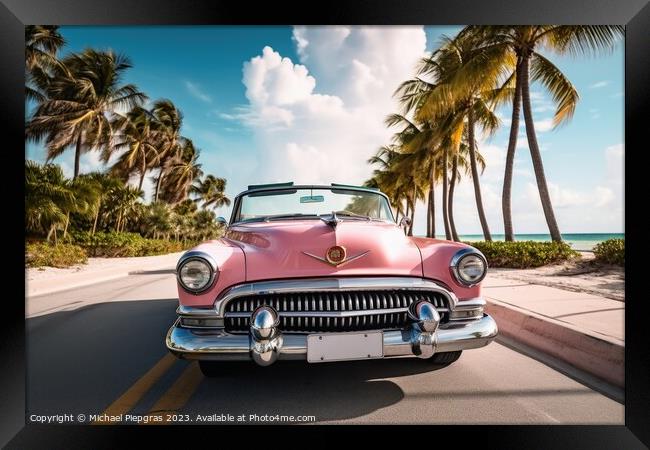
<point>278,249</point>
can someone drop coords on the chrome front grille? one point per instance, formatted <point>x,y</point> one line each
<point>333,310</point>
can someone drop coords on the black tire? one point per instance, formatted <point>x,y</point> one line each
<point>210,369</point>
<point>445,358</point>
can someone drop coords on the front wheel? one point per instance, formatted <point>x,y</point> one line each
<point>445,358</point>
<point>210,369</point>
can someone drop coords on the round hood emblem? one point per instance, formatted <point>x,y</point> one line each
<point>336,254</point>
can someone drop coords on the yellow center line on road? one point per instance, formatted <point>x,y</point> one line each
<point>177,395</point>
<point>132,396</point>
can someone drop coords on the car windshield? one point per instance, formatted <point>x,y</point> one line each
<point>312,202</point>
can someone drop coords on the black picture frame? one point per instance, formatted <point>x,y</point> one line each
<point>635,14</point>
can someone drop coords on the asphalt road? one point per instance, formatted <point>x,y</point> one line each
<point>100,349</point>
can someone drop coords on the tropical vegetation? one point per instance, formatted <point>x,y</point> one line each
<point>82,103</point>
<point>39,254</point>
<point>524,254</point>
<point>454,96</point>
<point>611,251</point>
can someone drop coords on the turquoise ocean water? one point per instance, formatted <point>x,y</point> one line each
<point>578,241</point>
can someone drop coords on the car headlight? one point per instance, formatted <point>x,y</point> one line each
<point>196,271</point>
<point>469,266</point>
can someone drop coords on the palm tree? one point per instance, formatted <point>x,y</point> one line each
<point>385,180</point>
<point>430,146</point>
<point>205,224</point>
<point>137,141</point>
<point>450,197</point>
<point>42,42</point>
<point>182,173</point>
<point>417,141</point>
<point>84,91</point>
<point>86,195</point>
<point>423,137</point>
<point>159,219</point>
<point>186,208</point>
<point>211,192</point>
<point>466,82</point>
<point>523,43</point>
<point>104,185</point>
<point>461,162</point>
<point>445,189</point>
<point>122,205</point>
<point>168,123</point>
<point>48,198</point>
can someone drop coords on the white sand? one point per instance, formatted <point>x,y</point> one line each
<point>95,265</point>
<point>584,275</point>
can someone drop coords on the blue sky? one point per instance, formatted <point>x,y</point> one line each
<point>306,104</point>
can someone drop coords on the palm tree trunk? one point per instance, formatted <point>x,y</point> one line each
<point>431,216</point>
<point>450,200</point>
<point>413,200</point>
<point>99,207</point>
<point>429,198</point>
<point>67,222</point>
<point>506,196</point>
<point>77,157</point>
<point>143,171</point>
<point>433,201</point>
<point>536,156</point>
<point>445,181</point>
<point>475,177</point>
<point>160,177</point>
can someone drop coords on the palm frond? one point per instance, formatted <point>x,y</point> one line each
<point>563,92</point>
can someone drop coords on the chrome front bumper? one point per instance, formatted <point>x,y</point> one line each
<point>218,345</point>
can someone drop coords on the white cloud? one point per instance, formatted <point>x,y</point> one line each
<point>543,125</point>
<point>361,64</point>
<point>540,102</point>
<point>88,162</point>
<point>599,84</point>
<point>615,159</point>
<point>318,120</point>
<point>195,90</point>
<point>604,196</point>
<point>522,142</point>
<point>615,151</point>
<point>560,197</point>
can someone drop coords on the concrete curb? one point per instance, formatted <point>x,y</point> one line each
<point>85,278</point>
<point>599,355</point>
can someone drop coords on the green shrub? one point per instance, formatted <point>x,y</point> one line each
<point>524,254</point>
<point>611,251</point>
<point>113,245</point>
<point>39,254</point>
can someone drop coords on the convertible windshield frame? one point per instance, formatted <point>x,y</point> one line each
<point>289,189</point>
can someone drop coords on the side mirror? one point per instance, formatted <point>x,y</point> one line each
<point>405,222</point>
<point>222,221</point>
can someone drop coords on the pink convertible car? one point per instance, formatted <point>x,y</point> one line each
<point>323,273</point>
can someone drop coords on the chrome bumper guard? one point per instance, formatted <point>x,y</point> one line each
<point>265,344</point>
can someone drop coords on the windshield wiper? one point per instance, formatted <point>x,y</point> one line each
<point>352,214</point>
<point>288,216</point>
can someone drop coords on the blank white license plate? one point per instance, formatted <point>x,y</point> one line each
<point>344,346</point>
